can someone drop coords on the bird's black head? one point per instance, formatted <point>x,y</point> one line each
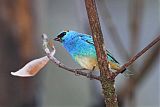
<point>60,36</point>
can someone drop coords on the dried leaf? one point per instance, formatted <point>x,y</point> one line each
<point>32,68</point>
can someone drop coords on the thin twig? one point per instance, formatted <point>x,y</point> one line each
<point>61,65</point>
<point>132,59</point>
<point>142,73</point>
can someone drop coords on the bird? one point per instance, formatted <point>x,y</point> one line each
<point>82,50</point>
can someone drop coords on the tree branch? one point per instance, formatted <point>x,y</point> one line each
<point>107,84</point>
<point>132,59</point>
<point>142,72</point>
<point>61,65</point>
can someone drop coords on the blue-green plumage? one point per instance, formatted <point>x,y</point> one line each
<point>81,48</point>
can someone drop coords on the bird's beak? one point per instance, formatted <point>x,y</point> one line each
<point>57,39</point>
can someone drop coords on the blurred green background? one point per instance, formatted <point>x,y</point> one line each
<point>22,22</point>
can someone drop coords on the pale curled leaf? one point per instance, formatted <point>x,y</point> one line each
<point>32,68</point>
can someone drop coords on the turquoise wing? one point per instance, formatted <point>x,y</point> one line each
<point>89,39</point>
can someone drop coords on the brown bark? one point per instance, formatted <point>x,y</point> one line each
<point>107,85</point>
